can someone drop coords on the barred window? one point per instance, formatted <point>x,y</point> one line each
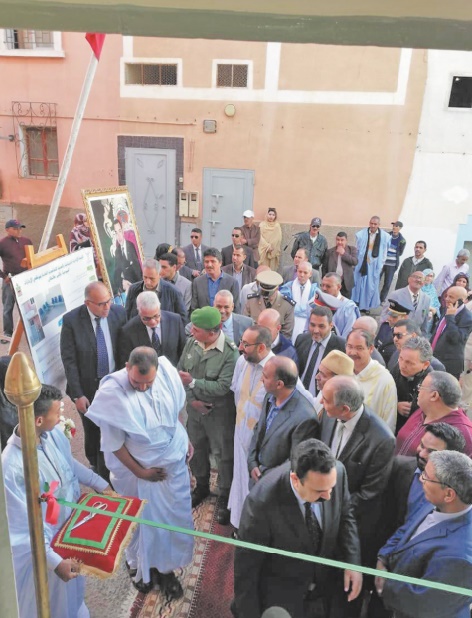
<point>461,92</point>
<point>29,39</point>
<point>41,151</point>
<point>151,74</point>
<point>232,76</point>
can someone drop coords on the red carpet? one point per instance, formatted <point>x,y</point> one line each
<point>214,590</point>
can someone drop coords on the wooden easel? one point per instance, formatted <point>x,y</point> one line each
<point>33,260</point>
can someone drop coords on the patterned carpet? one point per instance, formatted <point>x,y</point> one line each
<point>207,581</point>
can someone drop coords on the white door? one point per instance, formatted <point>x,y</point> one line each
<point>150,177</point>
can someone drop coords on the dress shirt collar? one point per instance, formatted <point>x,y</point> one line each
<point>219,344</point>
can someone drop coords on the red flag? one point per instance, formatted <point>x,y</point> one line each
<point>96,42</point>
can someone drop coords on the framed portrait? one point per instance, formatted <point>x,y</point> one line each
<point>115,238</point>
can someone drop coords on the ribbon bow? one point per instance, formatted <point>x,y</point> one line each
<point>52,509</point>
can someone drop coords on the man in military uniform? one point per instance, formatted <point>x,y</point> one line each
<point>267,297</point>
<point>384,339</point>
<point>206,368</point>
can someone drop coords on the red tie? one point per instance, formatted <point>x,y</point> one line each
<point>439,332</point>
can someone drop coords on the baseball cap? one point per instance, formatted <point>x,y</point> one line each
<point>13,223</point>
<point>248,213</point>
<point>316,221</point>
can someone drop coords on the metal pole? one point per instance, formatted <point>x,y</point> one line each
<point>22,388</point>
<point>61,181</point>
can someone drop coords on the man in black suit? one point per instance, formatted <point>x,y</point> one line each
<point>205,287</point>
<point>89,351</point>
<point>227,252</point>
<point>451,334</point>
<point>311,347</point>
<point>281,345</point>
<point>154,328</point>
<point>364,444</point>
<point>303,506</point>
<point>170,298</point>
<point>341,259</point>
<point>238,269</point>
<point>233,325</point>
<point>287,418</point>
<point>194,252</point>
<point>127,264</point>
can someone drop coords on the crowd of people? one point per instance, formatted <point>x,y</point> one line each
<point>334,433</point>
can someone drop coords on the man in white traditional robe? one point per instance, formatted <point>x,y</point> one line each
<point>146,448</point>
<point>55,461</point>
<point>301,290</point>
<point>249,393</point>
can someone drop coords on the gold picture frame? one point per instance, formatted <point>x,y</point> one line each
<point>115,237</point>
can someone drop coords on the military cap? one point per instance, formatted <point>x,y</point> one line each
<point>269,280</point>
<point>395,308</point>
<point>206,318</point>
<point>322,299</point>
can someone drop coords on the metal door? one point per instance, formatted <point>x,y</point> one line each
<point>150,176</point>
<point>226,195</point>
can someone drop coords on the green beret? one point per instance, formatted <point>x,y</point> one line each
<point>206,318</point>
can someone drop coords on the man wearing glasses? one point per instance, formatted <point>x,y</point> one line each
<point>194,252</point>
<point>434,544</point>
<point>89,341</point>
<point>227,252</point>
<point>314,242</point>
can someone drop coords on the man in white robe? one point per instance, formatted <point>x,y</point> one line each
<point>249,393</point>
<point>146,447</point>
<point>66,586</point>
<point>301,290</point>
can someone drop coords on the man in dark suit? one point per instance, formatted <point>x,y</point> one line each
<point>238,269</point>
<point>303,506</point>
<point>434,544</point>
<point>194,252</point>
<point>154,328</point>
<point>89,351</point>
<point>205,287</point>
<point>451,334</point>
<point>170,298</point>
<point>313,346</point>
<point>227,252</point>
<point>182,268</point>
<point>289,273</point>
<point>341,259</point>
<point>233,325</point>
<point>281,345</point>
<point>127,264</point>
<point>365,445</point>
<point>287,418</point>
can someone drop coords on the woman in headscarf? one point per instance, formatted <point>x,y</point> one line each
<point>461,280</point>
<point>80,233</point>
<point>271,240</point>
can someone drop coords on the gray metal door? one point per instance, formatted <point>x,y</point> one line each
<point>150,176</point>
<point>226,195</point>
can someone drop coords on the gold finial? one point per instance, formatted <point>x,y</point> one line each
<point>22,386</point>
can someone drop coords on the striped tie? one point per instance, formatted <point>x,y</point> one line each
<point>102,353</point>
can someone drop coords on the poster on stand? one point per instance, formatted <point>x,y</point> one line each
<point>44,295</point>
<point>115,237</point>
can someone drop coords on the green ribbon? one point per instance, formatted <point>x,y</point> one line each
<point>415,581</point>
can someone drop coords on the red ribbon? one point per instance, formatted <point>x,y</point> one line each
<point>52,509</point>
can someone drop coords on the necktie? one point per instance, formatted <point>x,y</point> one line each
<point>302,289</point>
<point>197,256</point>
<point>342,427</point>
<point>270,418</point>
<point>155,341</point>
<point>309,372</point>
<point>415,301</point>
<point>314,528</point>
<point>102,352</point>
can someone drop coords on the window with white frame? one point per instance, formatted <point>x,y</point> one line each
<point>16,42</point>
<point>232,75</point>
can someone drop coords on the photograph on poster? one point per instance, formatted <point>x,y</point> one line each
<point>115,238</point>
<point>44,295</point>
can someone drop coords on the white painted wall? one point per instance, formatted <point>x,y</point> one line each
<point>439,195</point>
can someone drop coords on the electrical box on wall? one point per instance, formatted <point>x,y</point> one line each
<point>183,204</point>
<point>209,126</point>
<point>194,204</point>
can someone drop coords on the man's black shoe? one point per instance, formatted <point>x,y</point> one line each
<point>199,494</point>
<point>223,515</point>
<point>141,586</point>
<point>170,585</point>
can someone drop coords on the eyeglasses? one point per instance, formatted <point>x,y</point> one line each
<point>193,236</point>
<point>145,318</point>
<point>425,479</point>
<point>245,344</point>
<point>102,304</point>
<point>236,235</point>
<point>317,226</point>
<point>426,388</point>
<point>399,335</point>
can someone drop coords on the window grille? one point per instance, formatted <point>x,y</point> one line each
<point>41,151</point>
<point>29,39</point>
<point>232,76</point>
<point>151,74</point>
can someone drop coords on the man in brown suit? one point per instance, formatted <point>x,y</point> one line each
<point>341,260</point>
